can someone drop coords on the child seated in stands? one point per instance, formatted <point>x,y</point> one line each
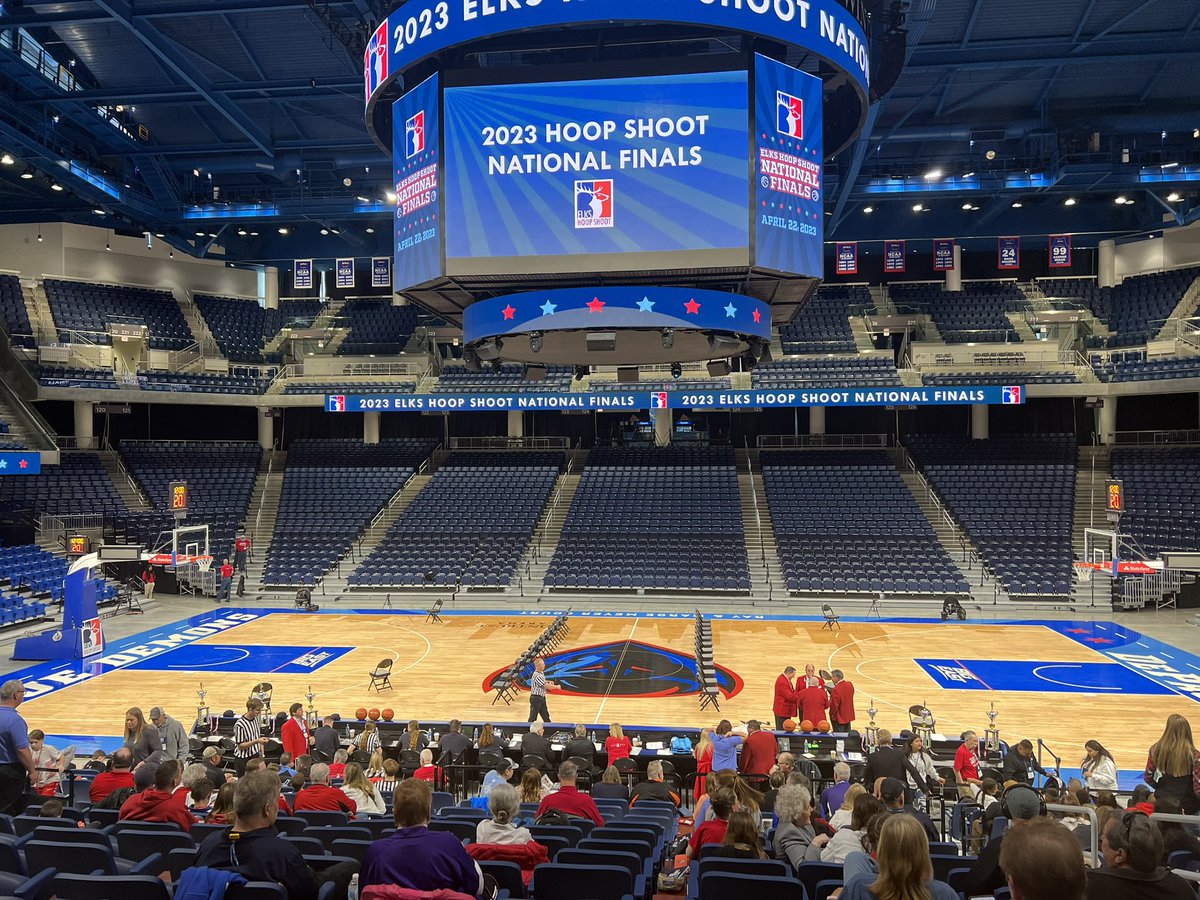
<point>200,798</point>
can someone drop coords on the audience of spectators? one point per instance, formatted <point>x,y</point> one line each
<point>567,799</point>
<point>319,795</point>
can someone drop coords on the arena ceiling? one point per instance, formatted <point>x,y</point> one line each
<point>200,119</point>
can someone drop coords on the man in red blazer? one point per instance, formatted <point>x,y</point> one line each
<point>785,697</point>
<point>841,702</point>
<point>294,732</point>
<point>814,700</point>
<point>758,751</point>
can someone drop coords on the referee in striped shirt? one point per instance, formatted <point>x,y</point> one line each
<point>247,735</point>
<point>537,691</point>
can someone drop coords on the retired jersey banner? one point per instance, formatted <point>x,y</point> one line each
<point>847,258</point>
<point>943,255</point>
<point>302,274</point>
<point>1060,251</point>
<point>381,271</point>
<point>894,253</point>
<point>345,273</point>
<point>1008,253</point>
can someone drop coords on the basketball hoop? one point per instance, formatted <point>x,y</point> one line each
<point>203,563</point>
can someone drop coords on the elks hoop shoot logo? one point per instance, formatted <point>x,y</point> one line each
<point>414,135</point>
<point>789,115</point>
<point>594,204</point>
<point>377,59</point>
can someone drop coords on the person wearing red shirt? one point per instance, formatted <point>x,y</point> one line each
<point>813,703</point>
<point>758,751</point>
<point>318,795</point>
<point>713,830</point>
<point>617,745</point>
<point>294,733</point>
<point>160,803</point>
<point>241,552</point>
<point>428,771</point>
<point>841,702</point>
<point>226,581</point>
<point>120,777</point>
<point>966,763</point>
<point>568,800</point>
<point>785,697</point>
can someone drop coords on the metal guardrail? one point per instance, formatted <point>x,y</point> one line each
<point>509,443</point>
<point>1178,437</point>
<point>826,441</point>
<point>1089,811</point>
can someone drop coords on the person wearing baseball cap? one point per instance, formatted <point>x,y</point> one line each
<point>216,770</point>
<point>1021,805</point>
<point>891,792</point>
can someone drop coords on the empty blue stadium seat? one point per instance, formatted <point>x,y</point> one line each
<point>823,324</point>
<point>89,308</point>
<point>1162,494</point>
<point>974,314</point>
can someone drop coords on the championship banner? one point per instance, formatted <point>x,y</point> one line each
<point>1060,251</point>
<point>847,258</point>
<point>894,254</point>
<point>1008,253</point>
<point>381,271</point>
<point>302,274</point>
<point>1010,395</point>
<point>416,150</point>
<point>344,273</point>
<point>943,255</point>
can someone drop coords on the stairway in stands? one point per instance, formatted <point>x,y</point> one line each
<point>956,541</point>
<point>130,491</point>
<point>261,512</point>
<point>532,569</point>
<point>1094,470</point>
<point>762,552</point>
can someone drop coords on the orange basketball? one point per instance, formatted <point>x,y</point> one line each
<point>388,714</point>
<point>360,713</point>
<point>806,725</point>
<point>823,725</point>
<point>373,715</point>
<point>789,724</point>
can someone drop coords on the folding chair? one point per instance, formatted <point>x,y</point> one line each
<point>831,618</point>
<point>381,676</point>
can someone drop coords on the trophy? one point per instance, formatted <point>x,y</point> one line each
<point>203,713</point>
<point>991,737</point>
<point>313,720</point>
<point>871,732</point>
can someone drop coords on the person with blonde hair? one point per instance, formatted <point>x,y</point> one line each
<point>703,751</point>
<point>368,741</point>
<point>358,788</point>
<point>415,738</point>
<point>905,869</point>
<point>616,744</point>
<point>375,765</point>
<point>1173,765</point>
<point>533,787</point>
<point>841,817</point>
<point>487,737</point>
<point>610,786</point>
<point>141,738</point>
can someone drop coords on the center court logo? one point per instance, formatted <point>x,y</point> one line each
<point>789,115</point>
<point>414,135</point>
<point>594,204</point>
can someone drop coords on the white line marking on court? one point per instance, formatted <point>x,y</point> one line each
<point>1143,644</point>
<point>616,672</point>
<point>1163,655</point>
<point>1037,671</point>
<point>1098,625</point>
<point>220,662</point>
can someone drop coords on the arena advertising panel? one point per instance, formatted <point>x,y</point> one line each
<point>612,174</point>
<point>788,208</point>
<point>416,154</point>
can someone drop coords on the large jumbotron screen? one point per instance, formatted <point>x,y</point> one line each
<point>629,173</point>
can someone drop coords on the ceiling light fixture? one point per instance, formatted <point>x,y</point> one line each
<point>98,211</point>
<point>933,174</point>
<point>283,230</point>
<point>7,159</point>
<point>1173,197</point>
<point>1070,201</point>
<point>1121,201</point>
<point>1170,165</point>
<point>966,206</point>
<point>868,209</point>
<point>28,173</point>
<point>55,186</point>
<point>324,231</point>
<point>918,207</point>
<point>391,196</point>
<point>1017,204</point>
<point>370,230</point>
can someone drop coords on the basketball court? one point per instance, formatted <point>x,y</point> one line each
<point>1063,681</point>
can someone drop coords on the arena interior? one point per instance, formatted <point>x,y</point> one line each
<point>808,390</point>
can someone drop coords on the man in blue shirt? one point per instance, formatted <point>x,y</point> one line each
<point>16,759</point>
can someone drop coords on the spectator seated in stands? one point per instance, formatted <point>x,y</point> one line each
<point>215,764</point>
<point>610,786</point>
<point>741,838</point>
<point>454,741</point>
<point>987,874</point>
<point>795,838</point>
<point>318,795</point>
<point>654,787</point>
<point>848,839</point>
<point>120,776</point>
<point>427,770</point>
<point>416,858</point>
<point>1132,848</point>
<point>892,793</point>
<point>833,796</point>
<point>567,799</point>
<point>337,768</point>
<point>501,828</point>
<point>1042,862</point>
<point>902,867</point>
<point>200,797</point>
<point>367,797</point>
<point>255,850</point>
<point>721,801</point>
<point>159,803</point>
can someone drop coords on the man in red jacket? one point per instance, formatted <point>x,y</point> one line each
<point>813,703</point>
<point>120,777</point>
<point>294,732</point>
<point>785,697</point>
<point>758,751</point>
<point>841,702</point>
<point>567,799</point>
<point>319,795</point>
<point>160,803</point>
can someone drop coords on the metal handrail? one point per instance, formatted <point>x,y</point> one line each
<point>762,546</point>
<point>1094,838</point>
<point>553,507</point>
